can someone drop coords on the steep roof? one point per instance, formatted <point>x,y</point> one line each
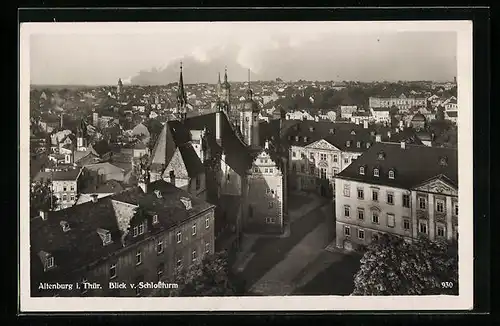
<point>82,245</point>
<point>412,165</point>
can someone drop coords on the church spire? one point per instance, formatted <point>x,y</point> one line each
<point>225,74</point>
<point>249,90</point>
<point>181,95</point>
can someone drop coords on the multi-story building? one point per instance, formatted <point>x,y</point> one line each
<point>380,114</point>
<point>320,150</point>
<point>388,191</point>
<point>402,102</point>
<point>64,184</point>
<point>143,234</point>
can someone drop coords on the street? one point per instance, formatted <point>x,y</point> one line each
<point>295,263</point>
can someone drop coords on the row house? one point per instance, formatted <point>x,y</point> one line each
<point>388,191</point>
<point>143,235</point>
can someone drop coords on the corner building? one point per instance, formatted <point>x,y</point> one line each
<point>401,189</point>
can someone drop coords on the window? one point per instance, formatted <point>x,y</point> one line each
<point>347,231</point>
<point>112,271</point>
<point>323,173</point>
<point>159,271</point>
<point>141,228</point>
<point>311,155</point>
<point>207,223</point>
<point>266,170</point>
<point>347,211</point>
<point>406,224</point>
<point>271,204</point>
<point>256,170</point>
<point>138,257</point>
<point>335,171</point>
<point>456,209</point>
<point>361,194</point>
<point>64,197</point>
<point>294,154</point>
<point>362,170</point>
<point>107,238</point>
<point>361,214</point>
<point>406,200</point>
<point>439,206</point>
<point>179,262</point>
<point>155,219</point>
<point>296,138</point>
<point>358,144</point>
<point>348,143</point>
<point>194,229</point>
<point>440,231</point>
<point>375,172</point>
<point>347,191</point>
<point>135,231</point>
<point>322,157</point>
<point>49,262</point>
<point>423,227</point>
<point>367,145</point>
<point>193,255</point>
<point>421,203</point>
<point>72,188</point>
<point>271,170</point>
<point>335,158</point>
<point>269,220</point>
<point>391,174</point>
<point>179,237</point>
<point>72,197</point>
<point>375,217</point>
<point>198,183</point>
<point>159,246</point>
<point>346,160</point>
<point>361,234</point>
<point>390,198</point>
<point>207,247</point>
<point>374,237</point>
<point>64,188</point>
<point>374,195</point>
<point>391,220</point>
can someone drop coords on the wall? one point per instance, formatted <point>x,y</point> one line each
<point>70,192</point>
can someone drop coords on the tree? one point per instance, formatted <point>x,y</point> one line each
<point>392,266</point>
<point>210,277</point>
<point>40,197</point>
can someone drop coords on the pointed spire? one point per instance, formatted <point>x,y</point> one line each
<point>181,94</point>
<point>249,90</point>
<point>225,74</point>
<point>219,78</point>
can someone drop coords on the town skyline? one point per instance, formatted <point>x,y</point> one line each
<point>317,53</point>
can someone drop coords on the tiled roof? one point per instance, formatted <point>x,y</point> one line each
<point>82,245</point>
<point>105,167</point>
<point>101,147</point>
<point>108,187</point>
<point>412,165</point>
<point>70,175</point>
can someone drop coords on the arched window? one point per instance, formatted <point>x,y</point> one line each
<point>362,170</point>
<point>375,172</point>
<point>391,174</point>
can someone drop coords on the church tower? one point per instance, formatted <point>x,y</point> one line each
<point>119,87</point>
<point>181,109</point>
<point>225,91</point>
<point>249,118</point>
<point>81,136</point>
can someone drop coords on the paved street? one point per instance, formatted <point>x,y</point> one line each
<point>298,263</point>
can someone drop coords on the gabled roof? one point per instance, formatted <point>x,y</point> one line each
<point>412,165</point>
<point>82,245</point>
<point>101,147</point>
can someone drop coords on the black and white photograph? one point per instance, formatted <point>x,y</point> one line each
<point>246,166</point>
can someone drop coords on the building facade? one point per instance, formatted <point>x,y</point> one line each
<point>104,243</point>
<point>402,102</point>
<point>386,192</point>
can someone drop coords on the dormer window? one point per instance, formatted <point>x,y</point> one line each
<point>353,132</point>
<point>348,143</point>
<point>375,172</point>
<point>443,161</point>
<point>311,129</point>
<point>105,236</point>
<point>296,138</point>
<point>367,145</point>
<point>391,174</point>
<point>186,202</point>
<point>381,155</point>
<point>305,139</point>
<point>158,193</point>
<point>358,144</point>
<point>49,262</point>
<point>362,170</point>
<point>155,219</point>
<point>332,131</point>
<point>65,226</point>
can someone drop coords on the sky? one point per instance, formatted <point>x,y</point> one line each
<point>142,53</point>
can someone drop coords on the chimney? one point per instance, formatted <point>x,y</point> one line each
<point>172,177</point>
<point>403,144</point>
<point>94,198</point>
<point>43,215</point>
<point>365,124</point>
<point>378,138</point>
<point>316,119</point>
<point>266,144</point>
<point>218,127</point>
